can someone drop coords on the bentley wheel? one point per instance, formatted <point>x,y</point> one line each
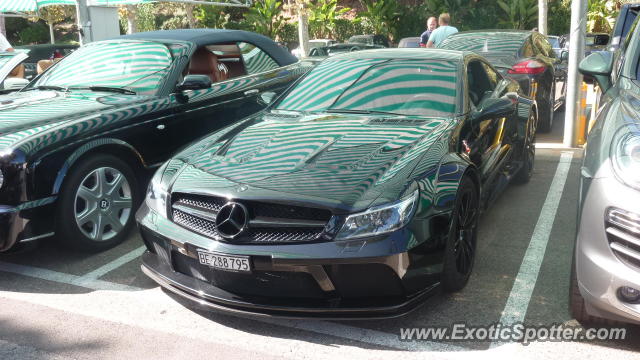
<point>529,154</point>
<point>461,245</point>
<point>97,204</point>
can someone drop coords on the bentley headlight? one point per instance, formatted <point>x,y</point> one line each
<point>626,159</point>
<point>378,220</point>
<point>157,194</point>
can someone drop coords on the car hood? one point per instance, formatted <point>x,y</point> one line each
<point>24,114</point>
<point>346,161</point>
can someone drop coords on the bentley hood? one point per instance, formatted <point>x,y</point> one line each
<point>29,113</point>
<point>342,159</point>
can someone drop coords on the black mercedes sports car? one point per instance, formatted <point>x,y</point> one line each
<point>355,194</point>
<point>75,143</point>
<point>525,56</point>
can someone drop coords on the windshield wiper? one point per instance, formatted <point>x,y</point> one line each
<point>364,112</point>
<point>48,87</point>
<point>112,89</point>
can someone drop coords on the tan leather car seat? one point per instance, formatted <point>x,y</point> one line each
<point>17,72</point>
<point>204,62</point>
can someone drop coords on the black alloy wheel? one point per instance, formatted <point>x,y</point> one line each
<point>546,111</point>
<point>461,246</point>
<point>529,152</point>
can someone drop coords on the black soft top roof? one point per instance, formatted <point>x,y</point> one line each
<point>202,37</point>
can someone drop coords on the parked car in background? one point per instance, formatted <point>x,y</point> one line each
<point>335,49</point>
<point>12,71</point>
<point>606,269</point>
<point>410,42</point>
<point>357,194</point>
<point>626,17</point>
<point>525,56</point>
<point>593,42</point>
<point>312,45</point>
<point>43,52</point>
<point>75,143</point>
<point>557,44</point>
<point>371,40</point>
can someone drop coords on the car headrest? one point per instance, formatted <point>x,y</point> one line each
<point>204,62</point>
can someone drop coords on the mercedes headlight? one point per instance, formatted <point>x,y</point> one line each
<point>626,159</point>
<point>157,194</point>
<point>378,220</point>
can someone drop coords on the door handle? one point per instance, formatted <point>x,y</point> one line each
<point>160,127</point>
<point>251,92</point>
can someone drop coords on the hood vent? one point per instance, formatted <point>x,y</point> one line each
<point>397,121</point>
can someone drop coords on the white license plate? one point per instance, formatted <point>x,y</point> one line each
<point>225,262</point>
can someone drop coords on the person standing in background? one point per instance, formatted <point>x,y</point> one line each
<point>441,33</point>
<point>4,44</point>
<point>432,24</point>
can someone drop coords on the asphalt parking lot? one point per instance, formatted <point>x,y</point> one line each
<point>55,304</point>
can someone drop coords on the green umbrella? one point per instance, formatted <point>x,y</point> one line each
<point>30,5</point>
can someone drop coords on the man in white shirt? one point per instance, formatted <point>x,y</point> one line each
<point>441,33</point>
<point>4,44</point>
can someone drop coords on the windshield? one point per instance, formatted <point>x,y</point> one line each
<point>5,58</point>
<point>403,87</point>
<point>134,65</point>
<point>481,44</point>
<point>554,42</point>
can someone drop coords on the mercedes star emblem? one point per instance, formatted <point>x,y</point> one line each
<point>232,220</point>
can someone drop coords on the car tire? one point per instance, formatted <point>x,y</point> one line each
<point>461,240</point>
<point>546,113</point>
<point>97,204</point>
<point>529,153</point>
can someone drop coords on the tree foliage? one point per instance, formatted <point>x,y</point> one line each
<point>265,17</point>
<point>518,14</point>
<point>384,16</point>
<point>322,17</point>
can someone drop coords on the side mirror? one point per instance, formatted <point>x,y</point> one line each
<point>266,98</point>
<point>494,108</point>
<point>599,66</point>
<point>14,84</point>
<point>194,82</point>
<point>564,55</point>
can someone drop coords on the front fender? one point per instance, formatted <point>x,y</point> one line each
<point>53,160</point>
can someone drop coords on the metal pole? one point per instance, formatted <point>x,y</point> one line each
<point>574,79</point>
<point>84,22</point>
<point>543,7</point>
<point>303,31</point>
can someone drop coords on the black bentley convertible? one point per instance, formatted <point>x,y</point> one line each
<point>76,141</point>
<point>356,194</point>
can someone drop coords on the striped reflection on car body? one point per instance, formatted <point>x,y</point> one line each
<point>485,42</point>
<point>139,65</point>
<point>379,86</point>
<point>252,159</point>
<point>334,76</point>
<point>385,87</point>
<point>256,60</point>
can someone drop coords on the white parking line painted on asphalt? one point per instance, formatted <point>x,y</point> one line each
<point>520,296</point>
<point>103,270</point>
<point>153,309</point>
<point>319,327</point>
<point>50,275</point>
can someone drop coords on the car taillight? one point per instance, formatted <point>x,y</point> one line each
<point>527,67</point>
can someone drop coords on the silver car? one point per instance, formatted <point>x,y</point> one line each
<point>606,274</point>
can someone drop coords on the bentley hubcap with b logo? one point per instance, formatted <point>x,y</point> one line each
<point>232,220</point>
